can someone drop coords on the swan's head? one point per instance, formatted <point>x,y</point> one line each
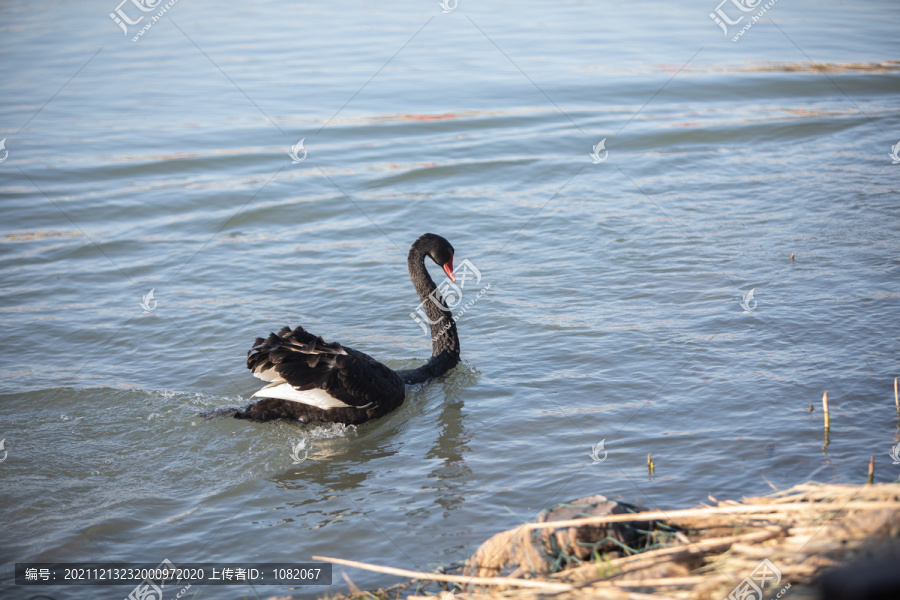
<point>439,250</point>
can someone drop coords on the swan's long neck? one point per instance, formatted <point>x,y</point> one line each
<point>444,339</point>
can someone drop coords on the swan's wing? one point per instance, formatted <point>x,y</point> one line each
<point>297,357</point>
<point>304,368</point>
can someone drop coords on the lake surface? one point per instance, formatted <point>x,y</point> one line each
<point>619,307</point>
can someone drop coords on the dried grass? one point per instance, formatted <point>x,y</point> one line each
<point>700,553</point>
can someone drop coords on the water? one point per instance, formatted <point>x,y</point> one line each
<point>614,309</point>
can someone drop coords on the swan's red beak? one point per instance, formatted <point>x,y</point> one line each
<point>448,269</point>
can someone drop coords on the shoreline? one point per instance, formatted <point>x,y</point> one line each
<point>788,541</point>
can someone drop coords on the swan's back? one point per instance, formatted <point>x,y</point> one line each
<point>312,380</point>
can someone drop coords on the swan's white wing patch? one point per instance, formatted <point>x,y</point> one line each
<point>269,374</point>
<point>316,397</point>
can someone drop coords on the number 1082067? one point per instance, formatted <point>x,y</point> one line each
<point>296,574</point>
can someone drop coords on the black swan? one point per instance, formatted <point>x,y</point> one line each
<point>314,381</point>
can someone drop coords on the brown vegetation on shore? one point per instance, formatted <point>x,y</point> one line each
<point>603,549</point>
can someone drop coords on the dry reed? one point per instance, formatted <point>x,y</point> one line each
<point>702,553</point>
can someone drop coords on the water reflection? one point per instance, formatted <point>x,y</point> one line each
<point>450,448</point>
<point>339,465</point>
